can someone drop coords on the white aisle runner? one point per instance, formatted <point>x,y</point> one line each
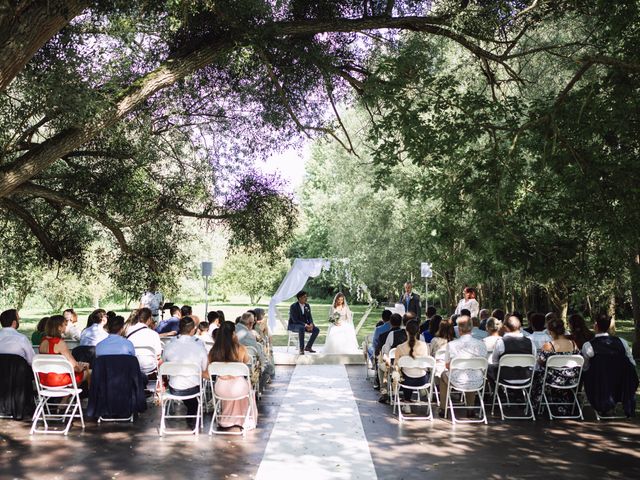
<point>318,433</point>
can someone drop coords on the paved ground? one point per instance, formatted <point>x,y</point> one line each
<point>420,450</point>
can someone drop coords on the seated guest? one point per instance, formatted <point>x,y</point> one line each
<point>579,332</point>
<point>213,318</point>
<point>12,342</point>
<point>203,332</point>
<point>170,326</point>
<point>140,333</point>
<point>539,337</point>
<point>475,331</point>
<point>53,344</point>
<point>443,336</point>
<point>36,336</point>
<point>373,350</point>
<point>610,375</point>
<point>498,314</point>
<point>512,342</point>
<point>434,324</point>
<point>483,315</point>
<point>431,311</point>
<point>94,332</point>
<point>389,340</point>
<point>115,343</point>
<point>454,318</point>
<point>413,348</point>
<point>187,311</point>
<point>261,326</point>
<point>558,345</point>
<point>72,331</point>
<point>185,349</point>
<point>493,329</point>
<point>245,337</point>
<point>380,329</point>
<point>227,348</point>
<point>464,347</point>
<point>438,345</point>
<point>221,318</point>
<point>529,328</point>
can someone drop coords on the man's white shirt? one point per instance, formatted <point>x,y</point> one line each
<point>13,342</point>
<point>588,352</point>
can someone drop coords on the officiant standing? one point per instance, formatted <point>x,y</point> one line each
<point>411,301</point>
<point>301,321</point>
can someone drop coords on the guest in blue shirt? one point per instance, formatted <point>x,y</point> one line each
<point>170,326</point>
<point>385,327</point>
<point>434,324</point>
<point>115,343</point>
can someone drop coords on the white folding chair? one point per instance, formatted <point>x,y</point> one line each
<point>294,339</point>
<point>233,369</point>
<point>557,363</point>
<point>177,369</point>
<point>370,368</point>
<point>439,357</point>
<point>428,364</point>
<point>473,363</point>
<point>515,361</point>
<point>255,368</point>
<point>390,379</point>
<point>147,356</point>
<point>49,397</point>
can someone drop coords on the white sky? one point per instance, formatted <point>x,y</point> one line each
<point>289,165</point>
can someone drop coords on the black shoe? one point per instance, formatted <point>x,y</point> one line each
<point>310,350</point>
<point>191,423</point>
<point>441,413</point>
<point>376,386</point>
<point>384,398</point>
<point>301,352</point>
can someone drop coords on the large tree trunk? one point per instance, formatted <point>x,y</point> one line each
<point>635,302</point>
<point>26,26</point>
<point>559,296</point>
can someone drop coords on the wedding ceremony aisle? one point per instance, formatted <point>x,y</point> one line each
<point>318,433</point>
<point>324,421</point>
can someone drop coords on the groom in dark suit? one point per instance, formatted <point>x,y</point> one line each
<point>301,321</point>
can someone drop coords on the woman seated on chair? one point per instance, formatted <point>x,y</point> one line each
<point>52,343</point>
<point>559,345</point>
<point>227,348</point>
<point>494,326</point>
<point>413,348</point>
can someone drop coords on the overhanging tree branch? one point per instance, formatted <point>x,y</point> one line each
<point>40,232</point>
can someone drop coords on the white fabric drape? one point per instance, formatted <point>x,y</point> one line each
<point>301,270</point>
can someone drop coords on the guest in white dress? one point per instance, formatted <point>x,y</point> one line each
<point>341,336</point>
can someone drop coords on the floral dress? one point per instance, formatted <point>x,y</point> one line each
<point>560,377</point>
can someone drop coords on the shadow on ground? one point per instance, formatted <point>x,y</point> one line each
<point>500,450</point>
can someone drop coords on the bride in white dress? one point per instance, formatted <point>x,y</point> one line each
<point>341,336</point>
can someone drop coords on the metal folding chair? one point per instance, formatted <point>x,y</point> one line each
<point>514,361</point>
<point>293,339</point>
<point>474,363</point>
<point>428,364</point>
<point>147,355</point>
<point>49,397</point>
<point>176,369</point>
<point>233,369</point>
<point>558,363</point>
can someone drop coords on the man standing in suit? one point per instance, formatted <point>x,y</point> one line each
<point>411,301</point>
<point>301,321</point>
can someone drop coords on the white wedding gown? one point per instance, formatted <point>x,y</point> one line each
<point>341,338</point>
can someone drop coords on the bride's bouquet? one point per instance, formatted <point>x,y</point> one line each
<point>335,318</point>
